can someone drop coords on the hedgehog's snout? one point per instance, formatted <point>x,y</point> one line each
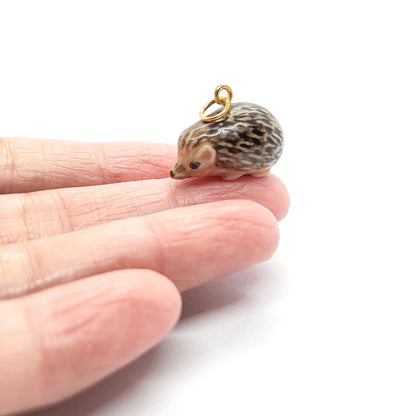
<point>179,172</point>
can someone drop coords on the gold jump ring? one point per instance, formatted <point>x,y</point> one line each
<point>217,97</point>
<point>224,101</point>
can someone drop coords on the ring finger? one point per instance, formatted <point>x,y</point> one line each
<point>189,245</point>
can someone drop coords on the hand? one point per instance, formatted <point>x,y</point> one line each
<point>95,244</point>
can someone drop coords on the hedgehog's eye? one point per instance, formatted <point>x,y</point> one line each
<point>195,164</point>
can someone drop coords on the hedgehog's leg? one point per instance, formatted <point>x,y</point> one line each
<point>260,173</point>
<point>232,176</point>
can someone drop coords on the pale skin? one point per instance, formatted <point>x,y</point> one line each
<point>96,244</point>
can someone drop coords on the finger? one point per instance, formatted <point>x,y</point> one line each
<point>190,245</point>
<point>28,165</point>
<point>46,213</point>
<point>58,342</point>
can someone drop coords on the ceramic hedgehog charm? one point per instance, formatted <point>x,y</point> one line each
<point>241,139</point>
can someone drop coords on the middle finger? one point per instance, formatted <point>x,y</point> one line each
<point>42,214</point>
<point>190,245</point>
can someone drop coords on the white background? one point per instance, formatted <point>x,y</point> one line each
<point>327,326</point>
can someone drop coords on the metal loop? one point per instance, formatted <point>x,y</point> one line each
<point>224,101</point>
<point>217,91</point>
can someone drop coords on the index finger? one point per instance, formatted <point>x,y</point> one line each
<point>28,165</point>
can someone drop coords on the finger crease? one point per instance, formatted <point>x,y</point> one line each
<point>100,159</point>
<point>9,167</point>
<point>62,211</point>
<point>26,215</point>
<point>157,245</point>
<point>171,197</point>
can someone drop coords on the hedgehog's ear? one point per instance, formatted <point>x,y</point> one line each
<point>205,154</point>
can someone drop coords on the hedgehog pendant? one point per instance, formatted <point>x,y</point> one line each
<point>241,139</point>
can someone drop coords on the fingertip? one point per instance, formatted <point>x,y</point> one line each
<point>236,235</point>
<point>283,197</point>
<point>138,307</point>
<point>265,234</point>
<point>268,191</point>
<point>164,300</point>
<point>107,320</point>
<point>274,195</point>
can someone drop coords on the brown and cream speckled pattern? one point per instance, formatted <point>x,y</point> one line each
<point>248,138</point>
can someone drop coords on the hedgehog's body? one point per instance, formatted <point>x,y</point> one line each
<point>249,140</point>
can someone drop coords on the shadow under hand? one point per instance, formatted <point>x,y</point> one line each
<point>242,287</point>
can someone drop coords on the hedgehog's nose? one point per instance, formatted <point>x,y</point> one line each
<point>178,172</point>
